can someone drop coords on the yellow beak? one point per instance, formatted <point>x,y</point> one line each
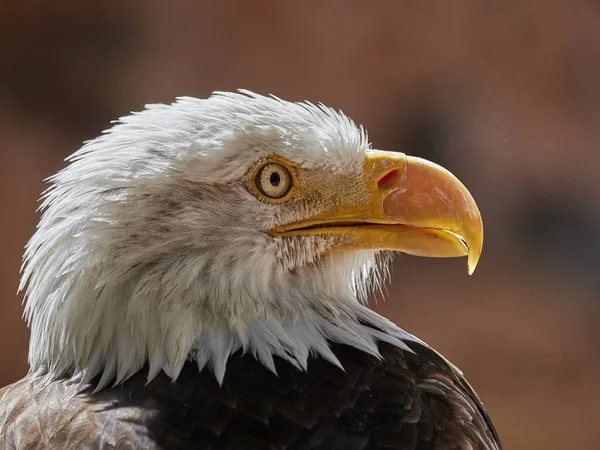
<point>404,203</point>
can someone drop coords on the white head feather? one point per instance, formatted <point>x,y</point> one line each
<point>152,251</point>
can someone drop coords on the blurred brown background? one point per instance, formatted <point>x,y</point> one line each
<point>506,94</point>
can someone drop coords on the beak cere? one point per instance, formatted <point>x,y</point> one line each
<point>409,204</point>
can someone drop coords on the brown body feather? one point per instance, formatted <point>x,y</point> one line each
<point>403,401</point>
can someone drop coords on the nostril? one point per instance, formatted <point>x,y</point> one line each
<point>388,179</point>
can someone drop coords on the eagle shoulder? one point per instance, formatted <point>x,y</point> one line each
<point>401,401</point>
<point>39,414</point>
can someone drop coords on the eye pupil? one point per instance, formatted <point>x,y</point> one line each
<point>274,179</point>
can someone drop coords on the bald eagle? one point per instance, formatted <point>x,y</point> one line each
<point>199,279</point>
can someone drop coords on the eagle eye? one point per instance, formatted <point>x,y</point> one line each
<point>273,180</point>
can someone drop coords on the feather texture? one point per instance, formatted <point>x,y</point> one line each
<point>151,249</point>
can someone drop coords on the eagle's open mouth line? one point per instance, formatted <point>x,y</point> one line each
<point>330,225</point>
<point>278,231</point>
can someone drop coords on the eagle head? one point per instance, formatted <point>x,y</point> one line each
<point>238,222</point>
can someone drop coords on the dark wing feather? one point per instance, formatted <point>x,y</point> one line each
<point>404,401</point>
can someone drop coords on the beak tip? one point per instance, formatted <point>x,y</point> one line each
<point>474,245</point>
<point>473,259</point>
